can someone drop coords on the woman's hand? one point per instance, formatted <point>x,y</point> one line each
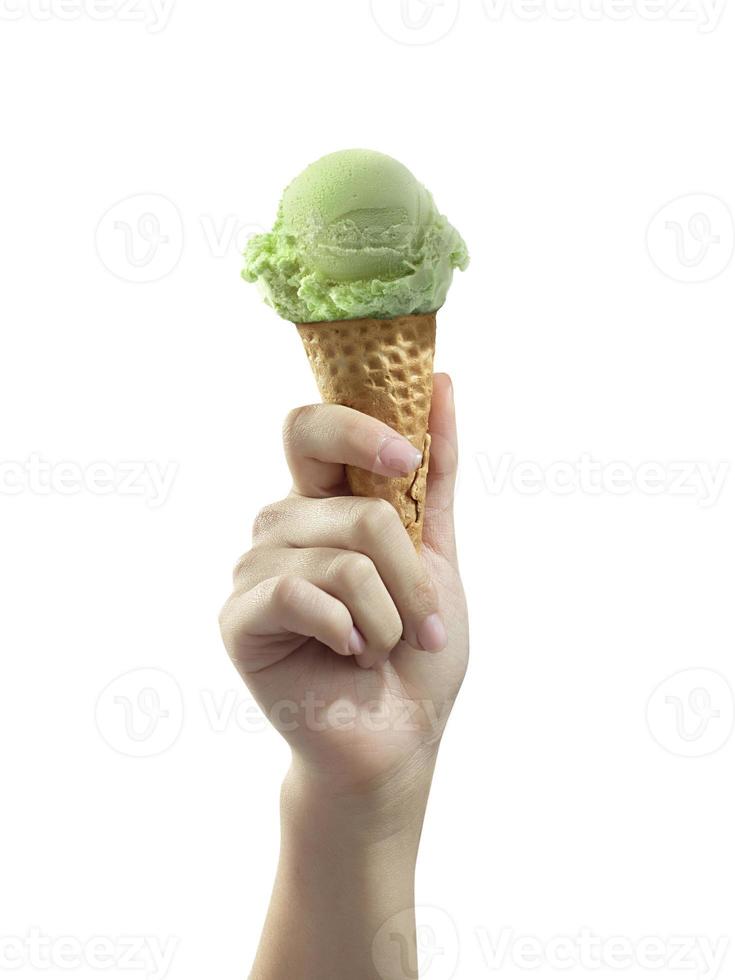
<point>355,647</point>
<point>353,644</point>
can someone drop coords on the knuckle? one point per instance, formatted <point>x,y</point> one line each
<point>231,630</point>
<point>268,520</point>
<point>224,622</point>
<point>422,595</point>
<point>294,423</point>
<point>359,429</point>
<point>286,591</point>
<point>352,570</point>
<point>251,568</point>
<point>376,518</point>
<point>243,567</point>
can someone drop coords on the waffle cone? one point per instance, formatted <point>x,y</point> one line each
<point>383,368</point>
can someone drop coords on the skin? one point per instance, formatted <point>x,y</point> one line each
<point>355,647</point>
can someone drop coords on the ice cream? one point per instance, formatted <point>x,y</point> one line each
<point>360,260</point>
<point>356,236</point>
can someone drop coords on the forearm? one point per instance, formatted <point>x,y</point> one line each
<point>346,869</point>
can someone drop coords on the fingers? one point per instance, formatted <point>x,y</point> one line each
<point>439,516</point>
<point>321,439</point>
<point>284,604</point>
<point>342,569</point>
<point>372,528</point>
<point>350,577</point>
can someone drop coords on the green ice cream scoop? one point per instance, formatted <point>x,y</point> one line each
<point>356,236</point>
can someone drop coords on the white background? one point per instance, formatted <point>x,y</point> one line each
<point>581,332</point>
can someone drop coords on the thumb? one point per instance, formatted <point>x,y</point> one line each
<point>439,516</point>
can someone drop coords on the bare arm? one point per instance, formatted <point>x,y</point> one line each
<point>355,646</point>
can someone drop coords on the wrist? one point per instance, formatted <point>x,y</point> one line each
<point>346,874</point>
<point>387,808</point>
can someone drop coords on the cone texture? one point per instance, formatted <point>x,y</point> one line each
<point>383,368</point>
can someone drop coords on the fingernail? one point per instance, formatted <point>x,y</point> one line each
<point>432,634</point>
<point>356,644</point>
<point>399,455</point>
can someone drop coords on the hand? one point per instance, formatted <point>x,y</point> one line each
<point>354,646</point>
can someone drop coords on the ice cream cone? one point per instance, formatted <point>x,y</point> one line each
<point>383,368</point>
